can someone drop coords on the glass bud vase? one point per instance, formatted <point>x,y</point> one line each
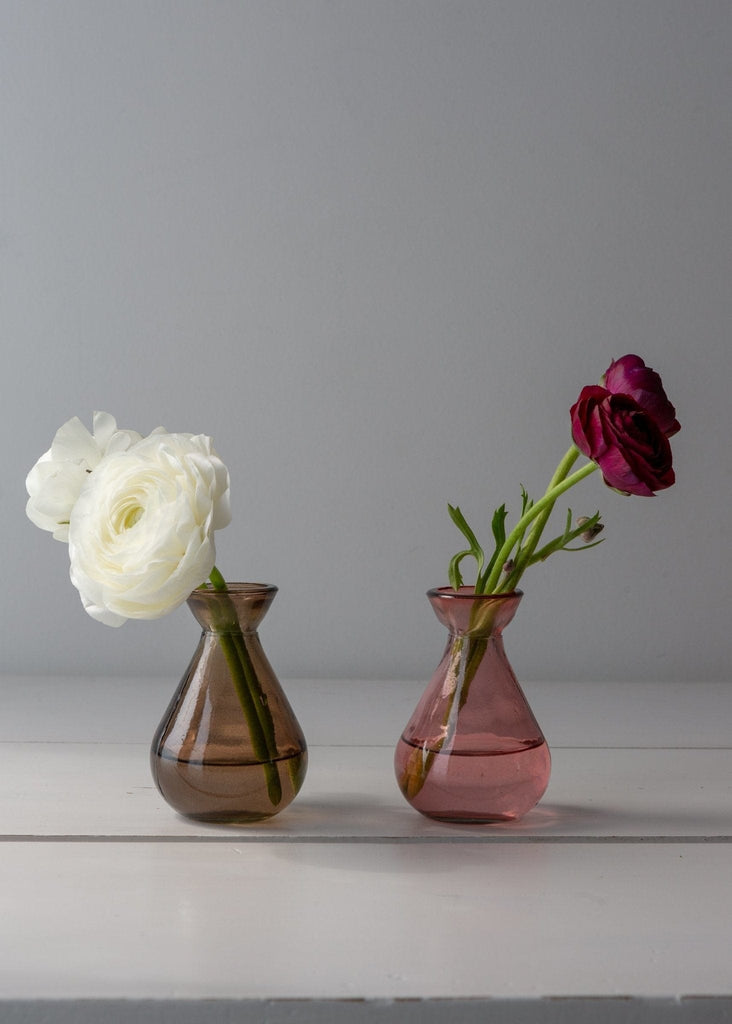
<point>229,748</point>
<point>473,751</point>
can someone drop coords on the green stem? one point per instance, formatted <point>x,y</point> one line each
<point>524,559</point>
<point>245,684</point>
<point>420,763</point>
<point>261,705</point>
<point>542,509</point>
<point>465,663</point>
<point>256,712</point>
<point>560,474</point>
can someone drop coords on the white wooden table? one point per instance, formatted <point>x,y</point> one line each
<point>612,901</point>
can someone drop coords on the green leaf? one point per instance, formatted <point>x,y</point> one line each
<point>475,550</point>
<point>454,575</point>
<point>498,526</point>
<point>462,524</point>
<point>568,524</point>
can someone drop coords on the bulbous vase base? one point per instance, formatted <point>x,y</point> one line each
<point>478,788</point>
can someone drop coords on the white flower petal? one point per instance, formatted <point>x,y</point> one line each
<point>141,533</point>
<point>73,443</point>
<point>105,427</point>
<point>54,483</point>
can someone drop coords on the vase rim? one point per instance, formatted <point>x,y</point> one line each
<point>239,588</point>
<point>468,594</point>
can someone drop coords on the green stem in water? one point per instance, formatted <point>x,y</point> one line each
<point>262,709</point>
<point>418,769</point>
<point>245,684</point>
<point>252,700</point>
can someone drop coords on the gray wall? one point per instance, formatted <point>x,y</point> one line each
<point>375,249</point>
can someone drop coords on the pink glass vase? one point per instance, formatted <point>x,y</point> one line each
<point>473,751</point>
<point>229,748</point>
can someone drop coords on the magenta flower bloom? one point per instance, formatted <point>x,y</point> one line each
<point>631,376</point>
<point>623,439</point>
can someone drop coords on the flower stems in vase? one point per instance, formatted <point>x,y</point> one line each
<point>251,697</point>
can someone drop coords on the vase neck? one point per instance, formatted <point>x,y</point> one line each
<point>242,606</point>
<point>466,613</point>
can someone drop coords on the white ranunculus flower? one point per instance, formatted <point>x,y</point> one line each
<point>141,533</point>
<point>57,478</point>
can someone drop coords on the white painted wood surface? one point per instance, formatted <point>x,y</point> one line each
<point>611,901</point>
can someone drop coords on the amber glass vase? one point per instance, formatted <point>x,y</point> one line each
<point>473,751</point>
<point>229,748</point>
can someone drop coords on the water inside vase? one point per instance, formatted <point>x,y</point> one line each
<point>471,785</point>
<point>232,793</point>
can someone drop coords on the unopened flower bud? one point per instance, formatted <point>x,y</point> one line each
<point>509,566</point>
<point>589,535</point>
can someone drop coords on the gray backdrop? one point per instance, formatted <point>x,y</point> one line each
<point>375,249</point>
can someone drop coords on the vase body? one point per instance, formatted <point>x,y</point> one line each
<point>473,751</point>
<point>229,748</point>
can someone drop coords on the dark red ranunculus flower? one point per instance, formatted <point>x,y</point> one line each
<point>631,376</point>
<point>624,439</point>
